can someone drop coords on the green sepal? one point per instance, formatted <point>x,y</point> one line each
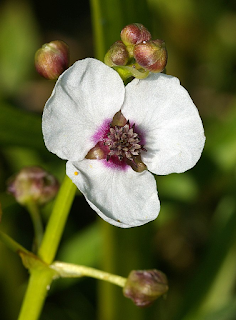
<point>31,261</point>
<point>126,72</point>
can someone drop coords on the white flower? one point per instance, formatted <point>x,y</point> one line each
<point>169,132</point>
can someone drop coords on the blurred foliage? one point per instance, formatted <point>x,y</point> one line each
<point>194,239</point>
<point>19,39</point>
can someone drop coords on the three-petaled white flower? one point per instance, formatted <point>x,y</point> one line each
<point>163,127</point>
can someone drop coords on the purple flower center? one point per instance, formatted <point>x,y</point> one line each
<point>117,146</point>
<point>123,142</point>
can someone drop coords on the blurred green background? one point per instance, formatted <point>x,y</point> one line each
<point>194,238</point>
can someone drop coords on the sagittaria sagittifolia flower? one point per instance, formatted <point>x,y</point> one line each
<point>159,127</point>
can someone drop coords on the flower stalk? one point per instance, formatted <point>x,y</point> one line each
<point>56,224</point>
<point>39,284</point>
<point>41,277</point>
<point>12,244</point>
<point>69,270</point>
<point>128,71</point>
<point>34,212</point>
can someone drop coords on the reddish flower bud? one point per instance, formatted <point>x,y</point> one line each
<point>134,33</point>
<point>33,184</point>
<point>52,59</point>
<point>145,286</point>
<point>151,55</point>
<point>117,55</point>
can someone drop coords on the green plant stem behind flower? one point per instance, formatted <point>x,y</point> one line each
<point>39,284</point>
<point>56,224</point>
<point>97,29</point>
<point>40,278</point>
<point>34,212</point>
<point>11,244</point>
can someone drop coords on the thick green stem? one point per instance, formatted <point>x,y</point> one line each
<point>37,289</point>
<point>41,278</point>
<point>57,221</point>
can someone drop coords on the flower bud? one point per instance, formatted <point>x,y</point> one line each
<point>134,33</point>
<point>33,184</point>
<point>151,55</point>
<point>52,59</point>
<point>117,55</point>
<point>145,286</point>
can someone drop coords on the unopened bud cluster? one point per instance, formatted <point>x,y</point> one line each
<point>117,55</point>
<point>145,286</point>
<point>137,49</point>
<point>33,184</point>
<point>52,59</point>
<point>134,34</point>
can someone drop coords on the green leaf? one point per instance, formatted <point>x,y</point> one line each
<point>181,187</point>
<point>225,313</point>
<point>0,212</point>
<point>83,248</point>
<point>221,144</point>
<point>18,43</point>
<point>20,128</point>
<point>222,238</point>
<point>13,245</point>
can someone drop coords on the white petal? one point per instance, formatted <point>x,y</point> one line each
<point>85,95</point>
<point>165,113</point>
<point>124,198</point>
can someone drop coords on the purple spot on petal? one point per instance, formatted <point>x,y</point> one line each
<point>102,131</point>
<point>115,163</point>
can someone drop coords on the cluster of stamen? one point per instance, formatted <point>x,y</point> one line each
<point>123,142</point>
